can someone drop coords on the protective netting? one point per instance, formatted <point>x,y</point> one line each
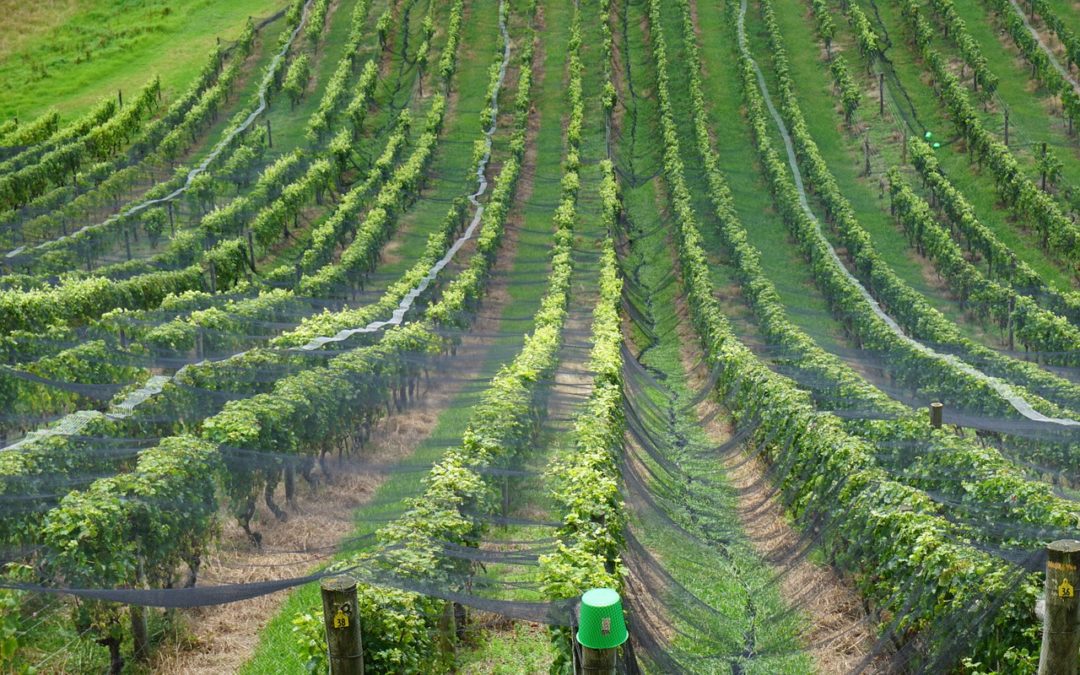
<point>697,597</point>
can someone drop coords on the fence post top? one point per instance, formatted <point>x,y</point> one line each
<point>340,582</point>
<point>1064,546</point>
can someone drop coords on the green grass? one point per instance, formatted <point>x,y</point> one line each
<point>289,125</point>
<point>521,649</point>
<point>288,128</point>
<point>75,53</point>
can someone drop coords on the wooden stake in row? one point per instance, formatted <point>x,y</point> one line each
<point>937,409</point>
<point>341,614</point>
<point>1060,651</point>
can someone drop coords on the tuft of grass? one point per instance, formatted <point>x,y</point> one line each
<point>522,650</point>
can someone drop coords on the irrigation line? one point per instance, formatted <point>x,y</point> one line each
<point>75,422</point>
<point>1002,388</point>
<point>264,86</point>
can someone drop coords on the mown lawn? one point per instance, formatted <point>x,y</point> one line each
<point>68,55</point>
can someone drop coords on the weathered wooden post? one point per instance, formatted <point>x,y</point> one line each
<point>251,250</point>
<point>1060,652</point>
<point>140,633</point>
<point>937,408</point>
<point>269,134</point>
<point>1006,127</point>
<point>506,495</point>
<point>601,629</point>
<point>342,616</point>
<point>213,277</point>
<point>881,94</point>
<point>127,243</point>
<point>1043,167</point>
<point>1009,325</point>
<point>597,661</point>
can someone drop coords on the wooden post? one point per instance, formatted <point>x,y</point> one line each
<point>881,94</point>
<point>269,134</point>
<point>597,661</point>
<point>342,616</point>
<point>213,277</point>
<point>903,151</point>
<point>1012,331</point>
<point>140,634</point>
<point>506,496</point>
<point>120,97</point>
<point>127,243</point>
<point>866,154</point>
<point>447,629</point>
<point>1061,630</point>
<point>251,250</point>
<point>1006,127</point>
<point>936,410</point>
<point>172,223</point>
<point>1043,167</point>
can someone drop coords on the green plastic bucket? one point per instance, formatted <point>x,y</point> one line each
<point>601,624</point>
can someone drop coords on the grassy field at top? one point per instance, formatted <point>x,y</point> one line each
<point>68,55</point>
